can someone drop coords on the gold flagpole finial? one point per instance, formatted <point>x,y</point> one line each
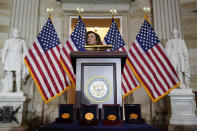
<point>113,11</point>
<point>80,10</point>
<point>49,10</point>
<point>146,10</point>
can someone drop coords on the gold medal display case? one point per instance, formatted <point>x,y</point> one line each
<point>111,115</point>
<point>89,115</point>
<point>133,114</point>
<point>66,113</point>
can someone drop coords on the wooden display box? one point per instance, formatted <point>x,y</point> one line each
<point>133,114</point>
<point>111,115</point>
<point>66,113</point>
<point>89,115</point>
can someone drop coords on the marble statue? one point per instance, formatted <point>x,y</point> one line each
<point>12,58</point>
<point>177,51</point>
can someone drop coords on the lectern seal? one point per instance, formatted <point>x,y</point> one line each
<point>98,89</point>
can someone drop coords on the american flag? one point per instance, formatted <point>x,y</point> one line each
<point>43,63</point>
<point>114,38</point>
<point>76,42</point>
<point>151,65</point>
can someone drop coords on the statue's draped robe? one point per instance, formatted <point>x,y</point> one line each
<point>13,53</point>
<point>177,51</point>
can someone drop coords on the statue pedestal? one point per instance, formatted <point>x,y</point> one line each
<point>183,107</point>
<point>11,106</point>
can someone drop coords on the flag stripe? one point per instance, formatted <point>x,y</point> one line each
<point>145,71</point>
<point>30,58</point>
<point>56,69</point>
<point>70,45</point>
<point>132,80</point>
<point>146,63</point>
<point>52,68</point>
<point>41,76</point>
<point>142,79</point>
<point>36,77</point>
<point>129,82</point>
<point>43,67</point>
<point>130,72</point>
<point>60,68</point>
<point>159,48</point>
<point>54,59</point>
<point>66,58</point>
<point>123,86</point>
<point>164,65</point>
<point>67,63</point>
<point>161,72</point>
<point>126,81</point>
<point>160,65</point>
<point>139,71</point>
<point>53,72</point>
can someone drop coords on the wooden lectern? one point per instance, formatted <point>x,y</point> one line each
<point>98,76</point>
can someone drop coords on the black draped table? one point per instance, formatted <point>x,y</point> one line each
<point>76,127</point>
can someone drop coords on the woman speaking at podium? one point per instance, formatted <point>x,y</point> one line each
<point>93,42</point>
<point>93,38</point>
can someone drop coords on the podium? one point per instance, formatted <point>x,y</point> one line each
<point>98,76</point>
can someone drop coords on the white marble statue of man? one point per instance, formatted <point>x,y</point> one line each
<point>12,57</point>
<point>177,51</point>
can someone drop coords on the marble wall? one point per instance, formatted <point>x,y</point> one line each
<point>5,15</point>
<point>189,19</point>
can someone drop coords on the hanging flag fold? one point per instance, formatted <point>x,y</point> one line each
<point>76,42</point>
<point>43,63</point>
<point>113,37</point>
<point>150,64</point>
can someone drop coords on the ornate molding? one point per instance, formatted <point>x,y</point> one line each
<point>96,5</point>
<point>95,1</point>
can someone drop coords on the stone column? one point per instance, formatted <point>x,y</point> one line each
<point>24,16</point>
<point>166,15</point>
